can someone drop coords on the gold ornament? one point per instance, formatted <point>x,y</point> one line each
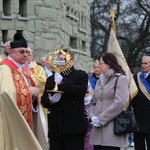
<point>52,61</point>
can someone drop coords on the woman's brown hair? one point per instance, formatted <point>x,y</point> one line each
<point>111,60</point>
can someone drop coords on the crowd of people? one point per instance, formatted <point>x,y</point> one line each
<point>80,114</point>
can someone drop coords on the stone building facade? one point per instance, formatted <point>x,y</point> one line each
<point>47,24</point>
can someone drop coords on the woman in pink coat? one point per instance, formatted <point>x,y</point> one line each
<point>106,105</point>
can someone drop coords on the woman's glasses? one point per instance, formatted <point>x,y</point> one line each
<point>100,63</point>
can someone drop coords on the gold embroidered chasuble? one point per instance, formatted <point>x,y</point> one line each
<point>39,77</point>
<point>15,111</point>
<point>23,95</point>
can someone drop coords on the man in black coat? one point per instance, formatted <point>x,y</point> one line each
<point>66,119</point>
<point>141,105</point>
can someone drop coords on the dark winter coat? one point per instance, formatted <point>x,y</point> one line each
<point>141,105</point>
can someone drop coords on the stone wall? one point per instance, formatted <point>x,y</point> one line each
<point>49,24</point>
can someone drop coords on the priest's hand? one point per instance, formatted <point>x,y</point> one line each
<point>34,91</point>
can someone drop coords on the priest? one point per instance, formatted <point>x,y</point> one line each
<point>18,100</point>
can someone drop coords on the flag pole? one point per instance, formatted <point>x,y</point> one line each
<point>112,15</point>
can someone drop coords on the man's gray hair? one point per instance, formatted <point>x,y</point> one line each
<point>146,57</point>
<point>31,50</point>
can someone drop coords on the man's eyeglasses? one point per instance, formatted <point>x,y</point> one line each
<point>22,51</point>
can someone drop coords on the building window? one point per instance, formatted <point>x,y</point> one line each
<point>82,25</point>
<point>23,8</point>
<point>4,36</point>
<point>73,42</point>
<point>72,14</point>
<point>84,45</point>
<point>6,7</point>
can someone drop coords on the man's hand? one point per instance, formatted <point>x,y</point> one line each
<point>58,78</point>
<point>55,98</point>
<point>26,65</point>
<point>34,91</point>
